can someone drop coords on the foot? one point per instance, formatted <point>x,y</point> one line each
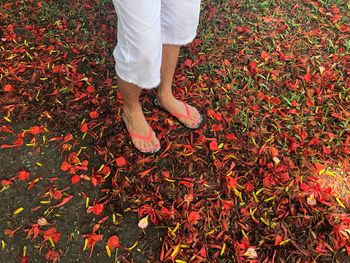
<point>142,135</point>
<point>188,115</point>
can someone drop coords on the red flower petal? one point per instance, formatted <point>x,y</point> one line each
<point>90,89</point>
<point>113,242</point>
<point>120,161</point>
<point>75,179</point>
<point>194,217</point>
<point>96,209</point>
<point>23,175</point>
<point>94,114</point>
<point>213,146</point>
<point>65,166</point>
<point>35,130</point>
<point>84,127</point>
<point>8,88</point>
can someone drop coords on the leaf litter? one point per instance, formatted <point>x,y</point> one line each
<point>265,179</point>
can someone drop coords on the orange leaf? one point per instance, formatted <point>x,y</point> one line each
<point>144,173</point>
<point>274,151</point>
<point>265,55</point>
<point>64,201</point>
<point>278,240</point>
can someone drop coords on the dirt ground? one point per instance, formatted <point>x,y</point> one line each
<point>71,220</point>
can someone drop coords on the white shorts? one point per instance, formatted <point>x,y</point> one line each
<point>143,26</point>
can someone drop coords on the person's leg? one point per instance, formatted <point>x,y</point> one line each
<point>134,117</point>
<point>179,21</point>
<point>138,60</point>
<point>165,95</point>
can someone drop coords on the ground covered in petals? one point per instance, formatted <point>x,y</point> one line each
<point>266,179</point>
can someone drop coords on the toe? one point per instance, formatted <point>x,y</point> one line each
<point>140,146</point>
<point>154,144</point>
<point>149,147</point>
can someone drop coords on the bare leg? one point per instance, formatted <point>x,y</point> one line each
<point>164,92</point>
<point>135,120</point>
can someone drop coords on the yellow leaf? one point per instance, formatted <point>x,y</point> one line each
<point>264,221</point>
<point>18,210</point>
<point>2,244</point>
<point>340,203</point>
<point>269,199</point>
<point>169,180</point>
<point>51,242</point>
<point>175,229</point>
<point>252,212</point>
<point>108,251</point>
<point>284,242</point>
<point>7,119</point>
<point>322,171</point>
<point>176,251</point>
<point>210,232</point>
<point>253,140</point>
<point>223,249</point>
<point>330,173</point>
<point>101,167</point>
<point>237,193</point>
<point>255,198</point>
<point>133,246</point>
<point>259,191</point>
<point>106,176</point>
<point>114,219</point>
<point>31,58</point>
<point>87,202</point>
<point>270,139</point>
<point>85,244</point>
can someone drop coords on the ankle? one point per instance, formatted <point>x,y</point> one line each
<point>165,96</point>
<point>131,108</point>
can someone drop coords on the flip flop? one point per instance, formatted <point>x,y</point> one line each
<point>177,116</point>
<point>144,138</point>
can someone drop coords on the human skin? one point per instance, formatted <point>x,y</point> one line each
<point>132,109</point>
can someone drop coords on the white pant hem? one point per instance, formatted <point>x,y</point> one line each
<point>137,83</point>
<point>177,42</point>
